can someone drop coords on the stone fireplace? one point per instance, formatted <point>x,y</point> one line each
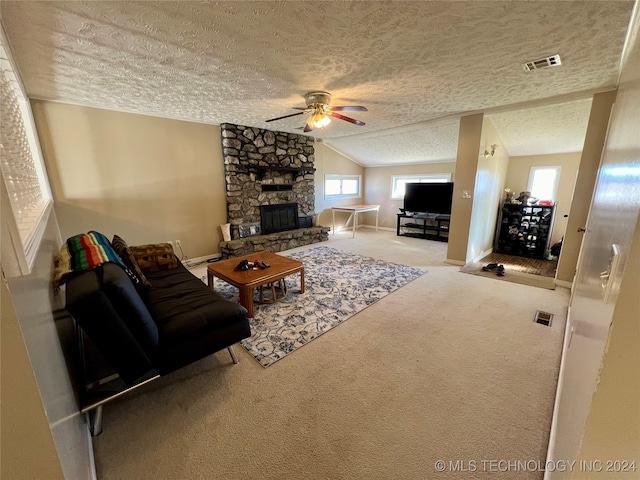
<point>269,179</point>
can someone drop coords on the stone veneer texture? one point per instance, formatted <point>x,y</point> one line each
<point>254,157</point>
<point>275,242</point>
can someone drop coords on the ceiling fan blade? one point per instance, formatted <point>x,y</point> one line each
<point>348,119</point>
<point>284,116</point>
<point>307,128</point>
<point>349,108</point>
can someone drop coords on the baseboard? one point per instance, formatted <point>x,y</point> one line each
<point>194,262</point>
<point>455,262</point>
<point>563,283</point>
<point>548,475</point>
<point>482,255</point>
<point>386,229</point>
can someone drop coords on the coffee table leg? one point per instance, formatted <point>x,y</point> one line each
<point>302,280</point>
<point>246,300</point>
<point>210,281</point>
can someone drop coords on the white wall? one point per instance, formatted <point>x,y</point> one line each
<point>612,430</point>
<point>596,418</point>
<point>46,333</point>
<point>27,449</point>
<point>488,194</point>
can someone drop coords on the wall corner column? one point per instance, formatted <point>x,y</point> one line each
<point>469,138</point>
<point>594,143</point>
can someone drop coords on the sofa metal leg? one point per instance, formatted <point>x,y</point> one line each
<point>95,421</point>
<point>232,352</point>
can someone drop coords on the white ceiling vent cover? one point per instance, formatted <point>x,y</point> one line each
<point>553,61</point>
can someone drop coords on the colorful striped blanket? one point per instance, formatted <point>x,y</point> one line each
<point>83,252</point>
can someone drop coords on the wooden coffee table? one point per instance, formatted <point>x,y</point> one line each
<point>250,279</point>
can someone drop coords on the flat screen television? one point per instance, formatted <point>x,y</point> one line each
<point>428,197</point>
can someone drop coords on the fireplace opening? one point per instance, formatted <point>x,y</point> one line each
<point>279,218</point>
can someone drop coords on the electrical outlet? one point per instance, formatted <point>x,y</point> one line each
<point>170,242</point>
<point>179,246</point>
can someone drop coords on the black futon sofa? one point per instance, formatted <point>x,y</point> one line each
<point>146,331</point>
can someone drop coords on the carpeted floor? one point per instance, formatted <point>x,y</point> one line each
<point>449,367</point>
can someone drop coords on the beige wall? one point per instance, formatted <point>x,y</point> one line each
<point>488,193</point>
<point>469,140</point>
<point>378,188</point>
<point>144,178</point>
<point>518,179</point>
<point>328,161</point>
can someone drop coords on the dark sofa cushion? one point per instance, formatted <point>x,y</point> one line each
<point>96,313</point>
<point>183,307</point>
<point>177,355</point>
<point>119,288</point>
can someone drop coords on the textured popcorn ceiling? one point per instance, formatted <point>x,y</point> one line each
<point>244,62</point>
<point>408,145</point>
<point>544,130</point>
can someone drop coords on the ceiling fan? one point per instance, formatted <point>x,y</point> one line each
<point>318,107</point>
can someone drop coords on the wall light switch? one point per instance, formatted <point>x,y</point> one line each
<point>466,194</point>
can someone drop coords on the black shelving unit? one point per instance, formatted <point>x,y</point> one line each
<point>524,230</point>
<point>428,226</point>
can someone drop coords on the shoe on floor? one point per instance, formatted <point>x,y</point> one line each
<point>489,267</point>
<point>500,271</point>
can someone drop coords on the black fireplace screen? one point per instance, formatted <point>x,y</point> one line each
<point>279,218</point>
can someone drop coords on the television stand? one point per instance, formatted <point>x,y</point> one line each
<point>430,226</point>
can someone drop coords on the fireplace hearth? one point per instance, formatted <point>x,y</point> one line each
<point>279,218</point>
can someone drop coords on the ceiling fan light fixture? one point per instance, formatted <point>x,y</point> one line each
<point>320,113</point>
<point>318,120</point>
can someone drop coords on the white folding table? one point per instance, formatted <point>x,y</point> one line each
<point>354,210</point>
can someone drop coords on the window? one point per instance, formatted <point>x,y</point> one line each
<point>24,181</point>
<point>398,182</point>
<point>342,186</point>
<point>543,182</point>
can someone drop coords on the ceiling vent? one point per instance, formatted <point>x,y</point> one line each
<point>553,61</point>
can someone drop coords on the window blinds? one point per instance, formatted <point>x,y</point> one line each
<point>21,165</point>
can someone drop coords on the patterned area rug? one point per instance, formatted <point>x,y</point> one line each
<point>337,286</point>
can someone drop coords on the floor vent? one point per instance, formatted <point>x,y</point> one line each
<point>543,318</point>
<point>552,61</point>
